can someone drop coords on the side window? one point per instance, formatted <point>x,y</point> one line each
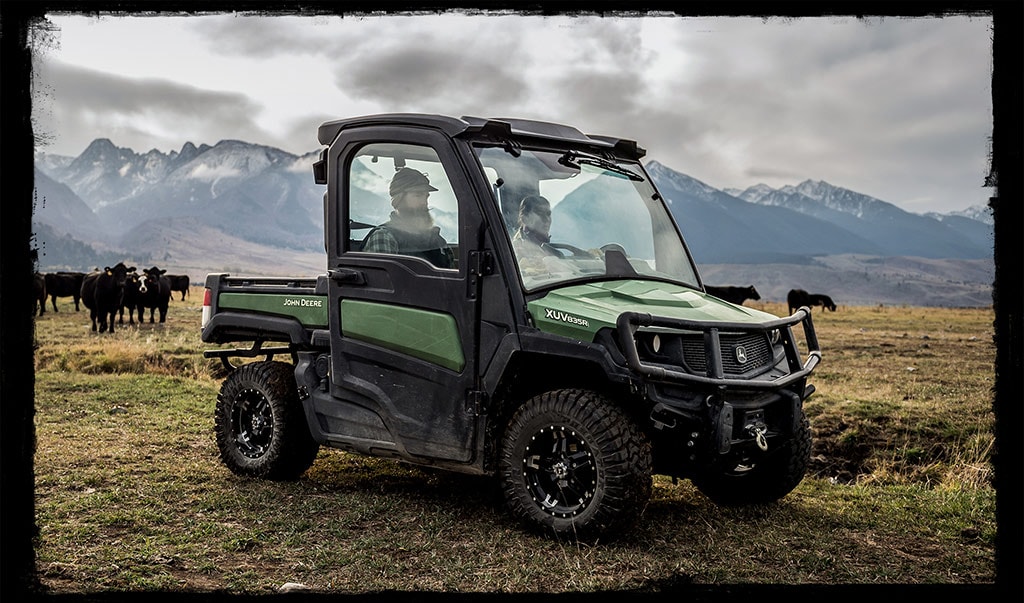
<point>401,201</point>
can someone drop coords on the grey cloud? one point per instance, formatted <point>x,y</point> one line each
<point>611,96</point>
<point>782,99</point>
<point>88,104</point>
<point>852,76</point>
<point>259,36</point>
<point>407,76</point>
<point>302,133</point>
<point>612,42</point>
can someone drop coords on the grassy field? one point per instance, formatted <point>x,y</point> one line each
<point>131,496</point>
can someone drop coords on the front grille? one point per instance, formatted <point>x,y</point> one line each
<point>755,345</point>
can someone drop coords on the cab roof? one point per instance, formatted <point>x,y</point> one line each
<point>503,127</point>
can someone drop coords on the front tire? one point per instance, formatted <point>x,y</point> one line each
<point>260,425</point>
<point>574,466</point>
<point>763,480</point>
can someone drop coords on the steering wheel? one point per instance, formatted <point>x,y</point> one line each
<point>575,251</point>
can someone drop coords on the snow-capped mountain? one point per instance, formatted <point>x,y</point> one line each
<point>893,231</point>
<point>722,228</point>
<point>105,173</point>
<point>981,213</point>
<point>254,192</point>
<point>211,208</point>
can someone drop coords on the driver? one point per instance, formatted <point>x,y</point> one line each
<point>531,241</point>
<point>532,238</point>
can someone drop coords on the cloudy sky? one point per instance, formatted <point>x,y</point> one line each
<point>892,107</point>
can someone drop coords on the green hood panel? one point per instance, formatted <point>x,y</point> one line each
<point>581,311</point>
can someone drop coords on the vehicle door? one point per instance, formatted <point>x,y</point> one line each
<point>403,324</point>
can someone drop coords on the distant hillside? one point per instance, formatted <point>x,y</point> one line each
<point>188,246</point>
<point>58,207</point>
<point>854,280</point>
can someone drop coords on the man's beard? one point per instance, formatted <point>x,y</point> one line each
<point>415,219</point>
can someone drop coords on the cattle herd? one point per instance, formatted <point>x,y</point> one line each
<point>108,293</point>
<point>795,299</point>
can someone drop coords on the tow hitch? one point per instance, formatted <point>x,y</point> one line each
<point>757,431</point>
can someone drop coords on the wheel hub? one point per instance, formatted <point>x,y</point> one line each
<point>560,471</point>
<point>254,423</point>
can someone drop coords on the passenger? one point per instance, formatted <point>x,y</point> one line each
<point>411,230</point>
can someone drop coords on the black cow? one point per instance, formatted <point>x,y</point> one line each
<point>154,293</point>
<point>102,293</point>
<point>820,299</point>
<point>131,298</point>
<point>64,284</point>
<point>179,282</point>
<point>736,295</point>
<point>38,294</point>
<point>797,298</point>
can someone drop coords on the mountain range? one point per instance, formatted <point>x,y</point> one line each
<point>245,208</point>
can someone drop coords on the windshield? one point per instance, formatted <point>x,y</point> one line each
<point>571,216</point>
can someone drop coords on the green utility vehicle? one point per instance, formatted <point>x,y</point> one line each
<point>571,372</point>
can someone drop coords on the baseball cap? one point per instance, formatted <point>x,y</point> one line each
<point>408,179</point>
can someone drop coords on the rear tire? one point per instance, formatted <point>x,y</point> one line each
<point>761,481</point>
<point>574,466</point>
<point>260,425</point>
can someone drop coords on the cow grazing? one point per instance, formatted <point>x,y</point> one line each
<point>797,298</point>
<point>154,294</point>
<point>38,294</point>
<point>179,282</point>
<point>820,299</point>
<point>103,293</point>
<point>64,284</point>
<point>732,294</point>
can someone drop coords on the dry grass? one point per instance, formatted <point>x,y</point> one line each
<point>130,495</point>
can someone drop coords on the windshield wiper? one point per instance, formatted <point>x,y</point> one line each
<point>573,159</point>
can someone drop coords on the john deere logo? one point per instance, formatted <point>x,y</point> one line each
<point>741,354</point>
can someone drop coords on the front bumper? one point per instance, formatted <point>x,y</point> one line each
<point>629,323</point>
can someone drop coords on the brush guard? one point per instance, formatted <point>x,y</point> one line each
<point>628,323</point>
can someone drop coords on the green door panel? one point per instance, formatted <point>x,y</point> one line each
<point>430,336</point>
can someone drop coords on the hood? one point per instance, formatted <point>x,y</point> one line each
<point>580,311</point>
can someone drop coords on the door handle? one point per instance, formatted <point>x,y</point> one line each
<point>347,276</point>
